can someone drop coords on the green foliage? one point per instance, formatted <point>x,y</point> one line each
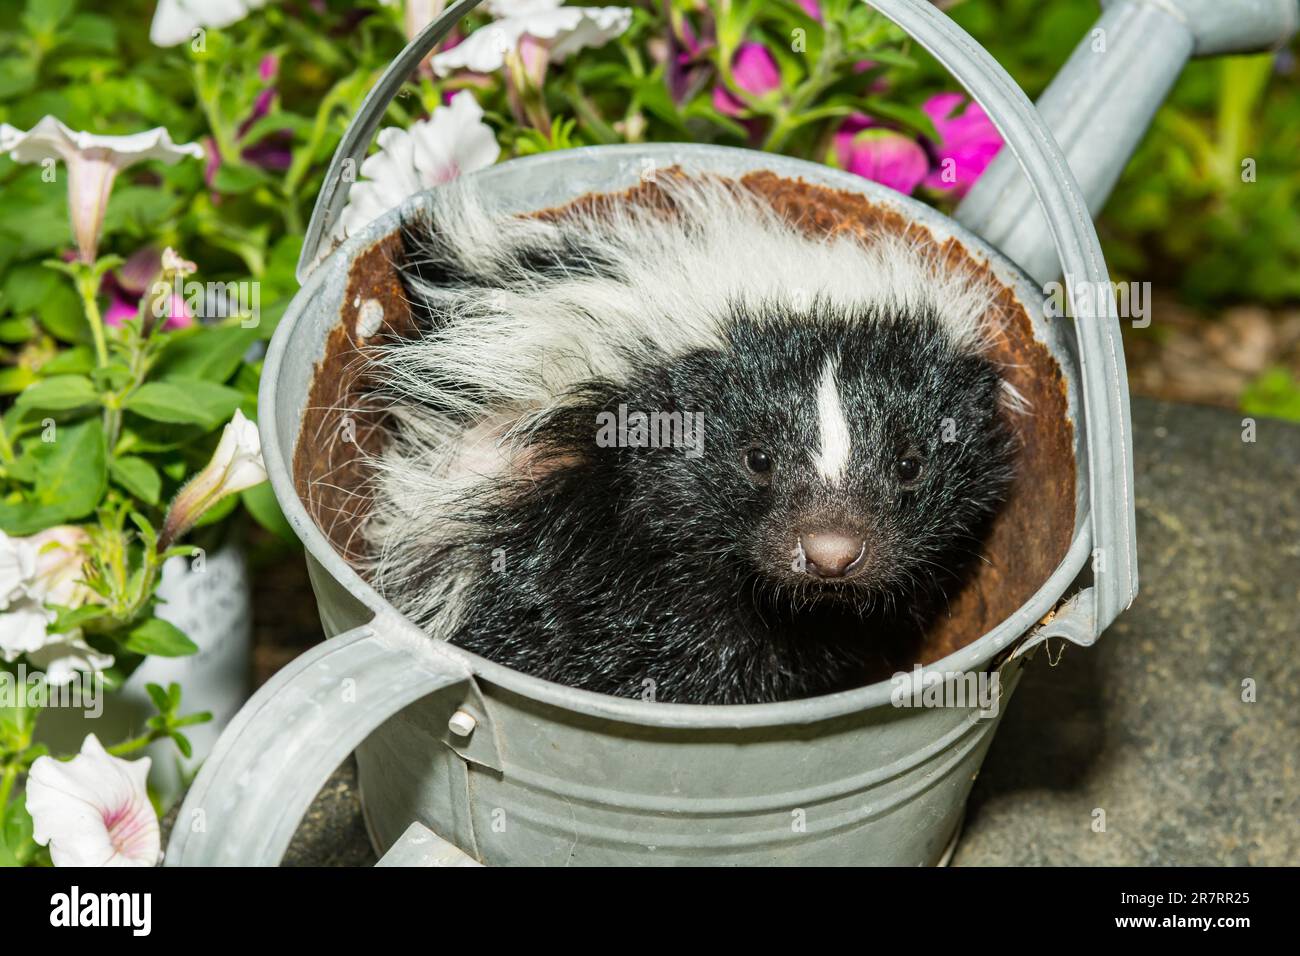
<point>1276,393</point>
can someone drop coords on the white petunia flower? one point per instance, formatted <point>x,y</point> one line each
<point>45,569</point>
<point>60,556</point>
<point>93,163</point>
<point>62,657</point>
<point>455,140</point>
<point>174,21</point>
<point>94,809</point>
<point>561,30</point>
<point>17,569</point>
<point>235,465</point>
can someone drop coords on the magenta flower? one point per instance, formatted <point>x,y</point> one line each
<point>754,71</point>
<point>968,141</point>
<point>684,57</point>
<point>128,286</point>
<point>881,155</point>
<point>273,151</point>
<point>813,8</point>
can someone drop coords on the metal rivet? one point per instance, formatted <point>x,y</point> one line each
<point>462,723</point>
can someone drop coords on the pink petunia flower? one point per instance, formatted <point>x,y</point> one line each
<point>755,72</point>
<point>128,286</point>
<point>882,155</point>
<point>813,8</point>
<point>968,141</point>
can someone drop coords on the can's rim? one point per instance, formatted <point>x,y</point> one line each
<point>973,656</point>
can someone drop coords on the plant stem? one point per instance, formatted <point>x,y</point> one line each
<point>7,784</point>
<point>135,743</point>
<point>88,288</point>
<point>6,446</point>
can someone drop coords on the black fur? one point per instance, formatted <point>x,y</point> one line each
<point>646,572</point>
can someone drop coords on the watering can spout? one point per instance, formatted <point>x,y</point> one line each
<point>1100,105</point>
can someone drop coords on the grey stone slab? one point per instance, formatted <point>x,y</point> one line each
<point>1150,726</point>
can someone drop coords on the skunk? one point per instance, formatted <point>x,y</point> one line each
<point>682,450</point>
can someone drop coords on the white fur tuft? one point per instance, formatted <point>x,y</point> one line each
<point>832,426</point>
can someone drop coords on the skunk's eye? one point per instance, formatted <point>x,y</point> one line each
<point>908,468</point>
<point>758,461</point>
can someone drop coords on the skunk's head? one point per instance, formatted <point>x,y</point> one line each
<point>842,455</point>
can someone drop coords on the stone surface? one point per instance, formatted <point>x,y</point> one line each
<point>1149,726</point>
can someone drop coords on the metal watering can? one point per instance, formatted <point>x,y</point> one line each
<point>462,760</point>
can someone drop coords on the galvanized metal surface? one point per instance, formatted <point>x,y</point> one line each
<point>1100,104</point>
<point>577,776</point>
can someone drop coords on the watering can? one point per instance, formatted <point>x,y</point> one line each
<point>463,761</point>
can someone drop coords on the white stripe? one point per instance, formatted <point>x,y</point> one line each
<point>833,427</point>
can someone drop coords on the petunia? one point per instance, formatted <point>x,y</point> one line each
<point>60,561</point>
<point>17,569</point>
<point>454,141</point>
<point>94,809</point>
<point>93,163</point>
<point>967,143</point>
<point>235,465</point>
<point>813,8</point>
<point>23,617</point>
<point>754,70</point>
<point>45,569</point>
<point>62,657</point>
<point>175,21</point>
<point>559,29</point>
<point>128,286</point>
<point>881,155</point>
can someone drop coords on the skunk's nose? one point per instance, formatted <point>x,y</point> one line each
<point>832,554</point>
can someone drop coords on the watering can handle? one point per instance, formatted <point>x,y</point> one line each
<point>257,783</point>
<point>361,131</point>
<point>1105,382</point>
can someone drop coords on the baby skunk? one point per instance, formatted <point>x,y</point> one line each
<point>697,456</point>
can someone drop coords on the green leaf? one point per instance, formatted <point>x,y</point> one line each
<point>234,179</point>
<point>71,476</point>
<point>79,360</point>
<point>17,846</point>
<point>262,505</point>
<point>59,393</point>
<point>191,402</point>
<point>211,354</point>
<point>1275,393</point>
<point>35,288</point>
<point>912,117</point>
<point>137,476</point>
<point>14,331</point>
<point>201,717</point>
<point>158,696</point>
<point>91,31</point>
<point>161,638</point>
<point>218,512</point>
<point>14,380</point>
<point>182,744</point>
<point>70,618</point>
<point>43,16</point>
